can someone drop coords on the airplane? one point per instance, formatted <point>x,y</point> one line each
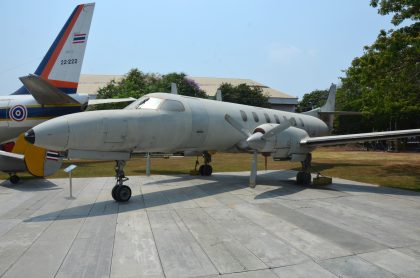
<point>172,123</point>
<point>48,93</point>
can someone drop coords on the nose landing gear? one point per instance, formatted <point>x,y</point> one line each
<point>120,192</point>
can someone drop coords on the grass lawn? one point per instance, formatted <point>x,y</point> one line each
<point>400,170</point>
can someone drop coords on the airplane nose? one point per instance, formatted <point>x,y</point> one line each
<point>30,136</point>
<point>52,134</point>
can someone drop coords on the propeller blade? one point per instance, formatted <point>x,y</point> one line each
<point>276,130</point>
<point>253,176</point>
<point>237,126</point>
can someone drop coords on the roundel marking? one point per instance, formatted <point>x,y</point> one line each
<point>18,113</point>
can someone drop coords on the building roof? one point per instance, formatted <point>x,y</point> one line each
<point>91,83</point>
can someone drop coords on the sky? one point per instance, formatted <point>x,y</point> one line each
<point>292,46</point>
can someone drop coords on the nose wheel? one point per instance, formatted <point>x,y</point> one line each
<point>120,192</point>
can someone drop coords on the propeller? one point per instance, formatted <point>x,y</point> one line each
<point>256,142</point>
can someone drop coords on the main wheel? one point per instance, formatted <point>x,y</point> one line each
<point>307,178</point>
<point>14,179</point>
<point>205,170</point>
<point>303,178</point>
<point>113,192</point>
<point>122,193</point>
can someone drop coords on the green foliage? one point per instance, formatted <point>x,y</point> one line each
<point>384,82</point>
<point>312,100</point>
<point>244,94</point>
<point>402,9</point>
<point>136,84</point>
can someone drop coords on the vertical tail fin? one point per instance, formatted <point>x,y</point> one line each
<point>326,112</point>
<point>62,64</point>
<point>329,106</point>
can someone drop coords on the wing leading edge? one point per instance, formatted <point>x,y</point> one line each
<point>359,137</point>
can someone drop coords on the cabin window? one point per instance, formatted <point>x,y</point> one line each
<point>293,120</point>
<point>277,119</point>
<point>267,118</point>
<point>172,105</point>
<point>301,122</point>
<point>244,116</point>
<point>150,103</point>
<point>256,119</point>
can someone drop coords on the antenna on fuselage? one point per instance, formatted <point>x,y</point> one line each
<point>174,89</point>
<point>219,95</point>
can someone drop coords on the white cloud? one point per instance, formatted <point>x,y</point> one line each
<point>281,54</point>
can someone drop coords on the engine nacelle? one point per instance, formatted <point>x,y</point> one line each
<point>283,145</point>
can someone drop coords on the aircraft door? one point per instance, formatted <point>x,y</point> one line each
<point>200,123</point>
<point>4,106</point>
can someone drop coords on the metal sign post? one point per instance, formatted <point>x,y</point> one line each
<point>148,164</point>
<point>70,169</point>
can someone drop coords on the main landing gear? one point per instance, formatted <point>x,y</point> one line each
<point>206,169</point>
<point>304,177</point>
<point>120,192</point>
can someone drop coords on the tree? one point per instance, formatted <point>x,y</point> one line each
<point>244,94</point>
<point>136,84</point>
<point>384,81</point>
<point>312,100</point>
<point>403,9</point>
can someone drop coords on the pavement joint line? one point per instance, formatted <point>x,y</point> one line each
<point>378,266</point>
<point>40,234</point>
<point>151,230</point>
<point>231,234</point>
<point>113,243</point>
<point>80,228</point>
<point>195,239</point>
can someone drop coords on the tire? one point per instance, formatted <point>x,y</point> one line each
<point>123,193</point>
<point>205,170</point>
<point>113,193</point>
<point>307,178</point>
<point>208,170</point>
<point>14,179</point>
<point>201,170</point>
<point>299,178</point>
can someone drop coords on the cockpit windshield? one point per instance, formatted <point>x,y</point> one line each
<point>146,103</point>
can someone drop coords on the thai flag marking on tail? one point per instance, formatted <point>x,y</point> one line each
<point>51,155</point>
<point>79,38</point>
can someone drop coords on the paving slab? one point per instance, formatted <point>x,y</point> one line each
<point>188,226</point>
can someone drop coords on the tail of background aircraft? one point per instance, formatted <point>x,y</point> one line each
<point>327,111</point>
<point>62,64</point>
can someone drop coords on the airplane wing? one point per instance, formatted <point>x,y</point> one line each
<point>358,137</point>
<point>45,93</point>
<point>11,162</point>
<point>110,100</point>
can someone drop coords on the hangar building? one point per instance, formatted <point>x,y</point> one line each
<point>90,83</point>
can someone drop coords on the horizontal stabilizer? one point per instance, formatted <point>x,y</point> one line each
<point>11,162</point>
<point>360,137</point>
<point>110,100</point>
<point>45,93</point>
<point>343,113</point>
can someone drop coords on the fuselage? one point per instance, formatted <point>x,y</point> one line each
<point>18,113</point>
<point>161,122</point>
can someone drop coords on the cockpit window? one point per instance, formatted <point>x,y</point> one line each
<point>172,105</point>
<point>150,103</point>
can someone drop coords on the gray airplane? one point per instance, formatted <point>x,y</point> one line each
<point>172,123</point>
